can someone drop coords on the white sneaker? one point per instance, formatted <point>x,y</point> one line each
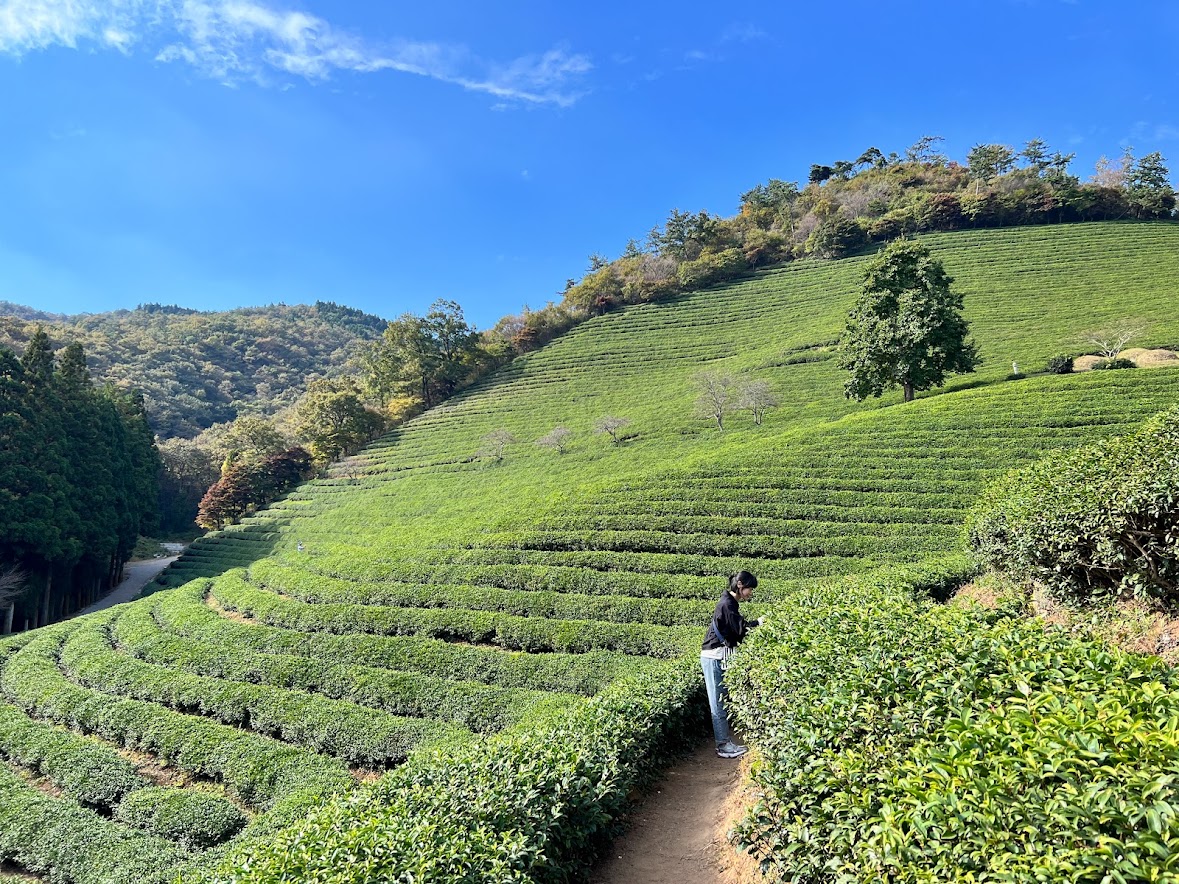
<point>729,749</point>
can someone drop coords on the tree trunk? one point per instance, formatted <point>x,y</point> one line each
<point>908,387</point>
<point>45,597</point>
<point>8,612</point>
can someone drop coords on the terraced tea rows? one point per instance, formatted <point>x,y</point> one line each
<point>423,603</point>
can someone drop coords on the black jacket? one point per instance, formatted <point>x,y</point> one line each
<point>728,621</point>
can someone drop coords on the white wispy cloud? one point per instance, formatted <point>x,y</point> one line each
<point>743,32</point>
<point>236,41</point>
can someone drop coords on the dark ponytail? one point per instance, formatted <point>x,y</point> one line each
<point>744,578</point>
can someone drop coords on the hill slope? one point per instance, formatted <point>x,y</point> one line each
<point>200,368</point>
<point>381,612</point>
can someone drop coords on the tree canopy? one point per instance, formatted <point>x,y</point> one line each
<point>79,474</point>
<point>907,328</point>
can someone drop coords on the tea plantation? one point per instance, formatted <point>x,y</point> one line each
<point>440,664</point>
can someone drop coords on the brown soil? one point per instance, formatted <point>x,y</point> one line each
<point>225,612</point>
<point>1139,356</point>
<point>677,834</point>
<point>1129,624</point>
<point>975,595</point>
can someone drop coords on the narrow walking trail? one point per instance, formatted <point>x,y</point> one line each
<point>676,834</point>
<point>136,575</point>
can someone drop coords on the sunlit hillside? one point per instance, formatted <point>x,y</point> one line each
<point>435,593</point>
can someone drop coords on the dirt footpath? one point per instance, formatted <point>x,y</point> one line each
<point>676,835</point>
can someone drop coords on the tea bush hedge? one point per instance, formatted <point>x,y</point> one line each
<point>528,807</point>
<point>194,820</point>
<point>260,770</point>
<point>480,707</point>
<point>901,740</point>
<point>1100,520</point>
<point>61,840</point>
<point>354,733</point>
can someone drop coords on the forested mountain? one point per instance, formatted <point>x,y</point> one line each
<point>198,368</point>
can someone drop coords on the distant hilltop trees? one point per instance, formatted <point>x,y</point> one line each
<point>197,368</point>
<point>848,204</point>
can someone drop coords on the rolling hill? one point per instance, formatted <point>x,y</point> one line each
<point>198,368</point>
<point>513,638</point>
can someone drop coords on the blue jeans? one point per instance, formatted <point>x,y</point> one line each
<point>714,684</point>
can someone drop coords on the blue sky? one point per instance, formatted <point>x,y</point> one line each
<point>219,153</point>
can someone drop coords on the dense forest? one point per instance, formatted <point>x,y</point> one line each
<point>197,368</point>
<point>78,483</point>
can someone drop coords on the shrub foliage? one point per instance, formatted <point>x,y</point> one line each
<point>1098,520</point>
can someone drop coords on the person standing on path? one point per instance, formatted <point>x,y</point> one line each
<point>727,630</point>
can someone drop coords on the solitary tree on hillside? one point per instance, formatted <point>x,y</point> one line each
<point>757,398</point>
<point>496,443</point>
<point>557,438</point>
<point>611,426</point>
<point>717,395</point>
<point>907,328</point>
<point>1112,341</point>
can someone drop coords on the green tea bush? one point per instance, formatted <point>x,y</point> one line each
<point>905,741</point>
<point>503,630</point>
<point>195,820</point>
<point>84,769</point>
<point>59,839</point>
<point>354,733</point>
<point>261,771</point>
<point>525,807</point>
<point>184,613</point>
<point>1060,365</point>
<point>1114,364</point>
<point>1098,520</point>
<point>480,707</point>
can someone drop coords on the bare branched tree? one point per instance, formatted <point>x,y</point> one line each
<point>757,398</point>
<point>718,395</point>
<point>611,426</point>
<point>12,583</point>
<point>495,444</point>
<point>557,437</point>
<point>1112,341</point>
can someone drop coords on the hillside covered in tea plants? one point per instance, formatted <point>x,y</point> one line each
<point>474,647</point>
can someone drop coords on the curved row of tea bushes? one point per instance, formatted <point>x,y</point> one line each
<point>357,734</point>
<point>589,571</point>
<point>533,806</point>
<point>479,707</point>
<point>261,771</point>
<point>83,769</point>
<point>737,526</point>
<point>729,509</point>
<point>905,741</point>
<point>184,612</point>
<point>193,819</point>
<point>59,839</point>
<point>520,603</point>
<point>480,627</point>
<point>770,547</point>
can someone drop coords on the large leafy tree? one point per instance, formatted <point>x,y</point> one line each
<point>907,328</point>
<point>427,357</point>
<point>333,419</point>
